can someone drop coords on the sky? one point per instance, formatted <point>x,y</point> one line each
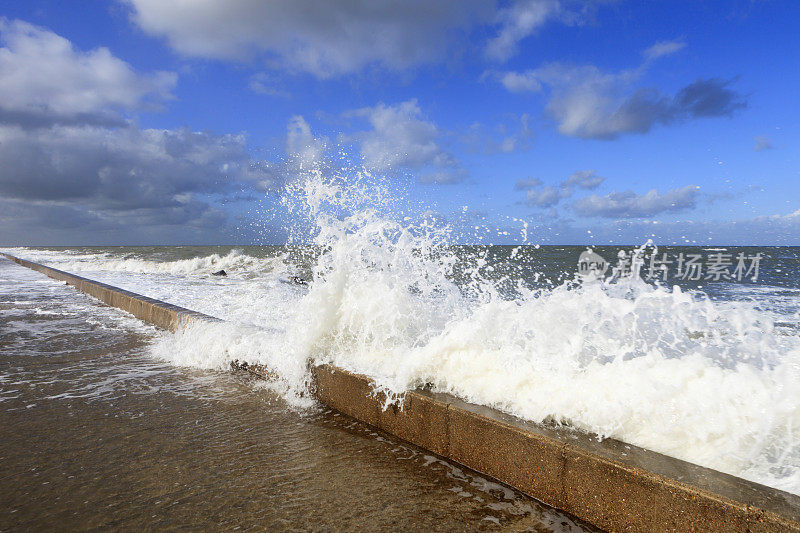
<point>180,122</point>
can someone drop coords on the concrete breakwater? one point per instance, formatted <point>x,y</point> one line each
<point>611,484</point>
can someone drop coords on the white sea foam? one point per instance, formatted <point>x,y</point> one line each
<point>234,261</point>
<point>714,383</point>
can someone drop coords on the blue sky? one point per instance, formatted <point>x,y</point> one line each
<point>171,122</point>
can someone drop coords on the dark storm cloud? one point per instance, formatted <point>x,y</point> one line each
<point>48,223</point>
<point>114,180</point>
<point>120,169</point>
<point>48,216</point>
<point>45,118</point>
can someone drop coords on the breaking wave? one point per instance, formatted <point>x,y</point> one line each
<point>234,261</point>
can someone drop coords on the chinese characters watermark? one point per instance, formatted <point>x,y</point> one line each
<point>716,265</point>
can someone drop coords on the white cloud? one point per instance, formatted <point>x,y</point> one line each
<point>403,138</point>
<point>663,48</point>
<point>627,204</point>
<point>43,78</point>
<point>518,21</point>
<point>323,38</point>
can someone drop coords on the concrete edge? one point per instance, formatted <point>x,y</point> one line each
<point>611,484</point>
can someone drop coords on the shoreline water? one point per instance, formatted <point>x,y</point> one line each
<point>627,507</point>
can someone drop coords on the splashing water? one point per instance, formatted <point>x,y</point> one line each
<point>670,370</point>
<point>716,383</point>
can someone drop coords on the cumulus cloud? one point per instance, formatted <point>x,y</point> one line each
<point>589,103</point>
<point>627,204</point>
<point>401,137</point>
<point>122,169</point>
<point>711,198</point>
<point>322,38</point>
<point>45,80</point>
<point>512,141</point>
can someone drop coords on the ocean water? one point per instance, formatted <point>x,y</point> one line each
<point>97,433</point>
<point>705,370</point>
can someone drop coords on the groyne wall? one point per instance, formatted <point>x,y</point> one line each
<point>611,484</point>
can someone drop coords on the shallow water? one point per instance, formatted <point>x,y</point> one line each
<point>98,433</point>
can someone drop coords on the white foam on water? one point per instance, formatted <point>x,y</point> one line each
<point>714,383</point>
<point>234,261</point>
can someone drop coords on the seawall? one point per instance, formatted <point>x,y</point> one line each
<point>611,484</point>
